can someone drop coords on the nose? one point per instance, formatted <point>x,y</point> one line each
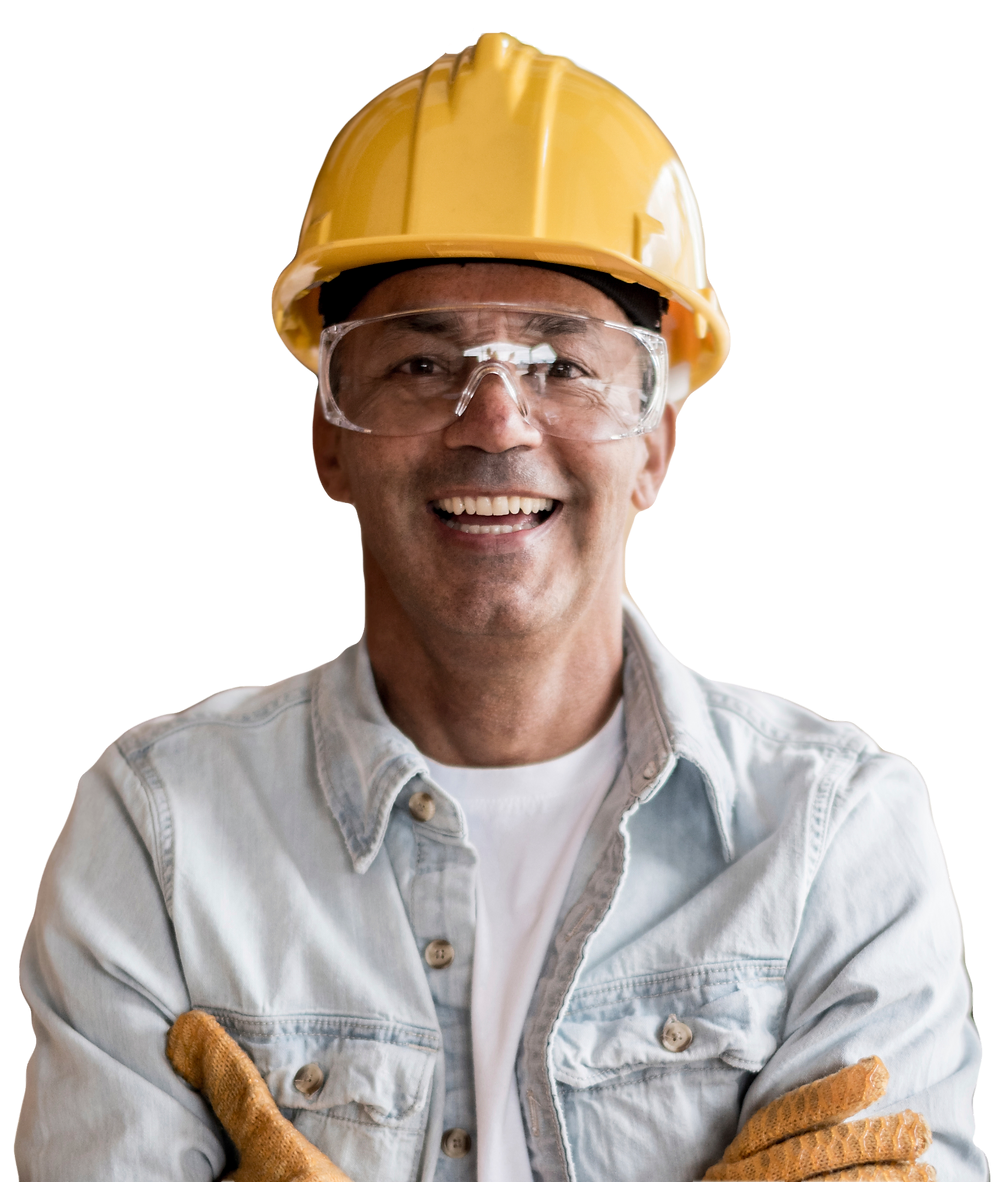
<point>492,421</point>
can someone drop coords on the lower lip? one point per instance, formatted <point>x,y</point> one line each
<point>511,538</point>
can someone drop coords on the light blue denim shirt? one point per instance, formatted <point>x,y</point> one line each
<point>772,879</point>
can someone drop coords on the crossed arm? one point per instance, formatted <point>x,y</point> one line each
<point>804,1135</point>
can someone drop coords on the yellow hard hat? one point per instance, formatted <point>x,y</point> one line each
<point>503,152</point>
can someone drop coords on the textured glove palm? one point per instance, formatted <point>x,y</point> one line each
<point>806,1135</point>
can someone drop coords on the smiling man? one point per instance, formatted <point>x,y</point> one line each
<point>504,891</point>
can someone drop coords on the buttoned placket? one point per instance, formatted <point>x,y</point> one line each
<point>436,868</point>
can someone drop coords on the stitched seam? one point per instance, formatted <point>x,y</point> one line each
<point>611,857</point>
<point>419,869</point>
<point>821,808</point>
<point>604,1074</point>
<point>329,1114</point>
<point>247,722</point>
<point>762,726</point>
<point>372,837</point>
<point>740,1061</point>
<point>293,1025</point>
<point>162,825</point>
<point>650,1076</point>
<point>718,973</point>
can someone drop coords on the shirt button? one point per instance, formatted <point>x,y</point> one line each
<point>308,1079</point>
<point>676,1035</point>
<point>421,806</point>
<point>456,1142</point>
<point>439,954</point>
<point>650,769</point>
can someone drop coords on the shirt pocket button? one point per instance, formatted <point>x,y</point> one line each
<point>675,1035</point>
<point>421,806</point>
<point>308,1079</point>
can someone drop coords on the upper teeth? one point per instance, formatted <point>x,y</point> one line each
<point>496,506</point>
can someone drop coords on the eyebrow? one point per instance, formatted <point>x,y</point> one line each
<point>434,322</point>
<point>554,323</point>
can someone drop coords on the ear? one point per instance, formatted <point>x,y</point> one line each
<point>658,450</point>
<point>327,456</point>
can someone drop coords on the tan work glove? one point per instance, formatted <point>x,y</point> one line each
<point>270,1148</point>
<point>800,1136</point>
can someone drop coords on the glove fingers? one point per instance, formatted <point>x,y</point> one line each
<point>186,1044</point>
<point>882,1172</point>
<point>270,1148</point>
<point>899,1138</point>
<point>813,1106</point>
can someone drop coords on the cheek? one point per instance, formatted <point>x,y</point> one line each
<point>379,473</point>
<point>610,473</point>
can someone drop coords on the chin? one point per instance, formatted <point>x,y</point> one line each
<point>494,611</point>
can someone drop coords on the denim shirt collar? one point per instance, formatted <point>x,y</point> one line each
<point>364,761</point>
<point>665,702</point>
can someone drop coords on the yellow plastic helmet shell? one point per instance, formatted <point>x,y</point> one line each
<point>504,152</point>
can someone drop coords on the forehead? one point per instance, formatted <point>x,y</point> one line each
<point>485,283</point>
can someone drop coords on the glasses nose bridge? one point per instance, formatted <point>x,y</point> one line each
<point>499,369</point>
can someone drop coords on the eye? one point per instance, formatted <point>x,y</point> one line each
<point>419,367</point>
<point>563,370</point>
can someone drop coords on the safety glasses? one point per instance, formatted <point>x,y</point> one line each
<point>571,376</point>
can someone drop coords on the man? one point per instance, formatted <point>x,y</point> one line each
<point>504,891</point>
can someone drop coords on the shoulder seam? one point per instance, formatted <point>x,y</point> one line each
<point>139,762</point>
<point>855,742</point>
<point>256,718</point>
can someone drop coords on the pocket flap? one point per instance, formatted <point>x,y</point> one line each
<point>388,1080</point>
<point>384,1069</point>
<point>739,1028</point>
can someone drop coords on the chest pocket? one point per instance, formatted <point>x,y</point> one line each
<point>620,1084</point>
<point>368,1100</point>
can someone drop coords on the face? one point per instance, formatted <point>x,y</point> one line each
<point>540,567</point>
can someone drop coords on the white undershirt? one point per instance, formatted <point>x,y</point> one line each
<point>527,824</point>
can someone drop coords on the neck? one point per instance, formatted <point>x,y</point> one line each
<point>496,701</point>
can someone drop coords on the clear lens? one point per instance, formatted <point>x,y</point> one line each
<point>572,376</point>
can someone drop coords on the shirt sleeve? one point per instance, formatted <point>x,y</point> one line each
<point>877,967</point>
<point>102,975</point>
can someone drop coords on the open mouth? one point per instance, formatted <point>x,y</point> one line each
<point>493,515</point>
